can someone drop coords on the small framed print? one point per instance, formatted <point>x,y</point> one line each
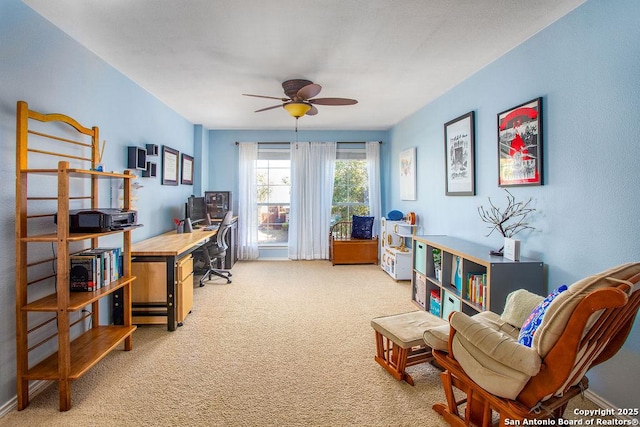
<point>408,174</point>
<point>169,166</point>
<point>187,169</point>
<point>520,145</point>
<point>459,140</point>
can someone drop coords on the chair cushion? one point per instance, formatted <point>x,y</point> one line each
<point>362,227</point>
<point>406,329</point>
<point>518,306</point>
<point>438,338</point>
<point>492,358</point>
<point>560,310</point>
<point>537,315</point>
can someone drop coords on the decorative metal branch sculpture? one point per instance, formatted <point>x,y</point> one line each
<point>510,221</point>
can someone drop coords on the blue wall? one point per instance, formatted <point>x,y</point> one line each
<point>53,73</point>
<point>586,68</point>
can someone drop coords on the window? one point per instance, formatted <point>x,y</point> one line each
<point>351,187</point>
<point>274,195</point>
<point>273,174</point>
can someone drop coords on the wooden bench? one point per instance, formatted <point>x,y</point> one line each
<point>344,249</point>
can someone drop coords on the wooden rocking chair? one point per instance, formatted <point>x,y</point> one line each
<point>584,328</point>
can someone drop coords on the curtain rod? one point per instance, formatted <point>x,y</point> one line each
<point>287,142</point>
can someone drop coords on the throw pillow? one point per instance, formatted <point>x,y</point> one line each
<point>362,227</point>
<point>518,307</point>
<point>535,318</point>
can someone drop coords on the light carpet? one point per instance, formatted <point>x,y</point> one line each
<point>288,343</point>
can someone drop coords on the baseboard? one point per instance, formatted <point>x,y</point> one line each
<point>35,388</point>
<point>605,404</point>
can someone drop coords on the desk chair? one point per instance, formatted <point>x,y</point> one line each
<point>214,252</point>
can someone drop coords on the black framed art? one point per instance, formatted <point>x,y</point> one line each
<point>169,166</point>
<point>187,169</point>
<point>520,145</point>
<point>459,141</point>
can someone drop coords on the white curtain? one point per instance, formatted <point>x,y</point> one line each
<point>373,170</point>
<point>247,203</point>
<point>312,176</point>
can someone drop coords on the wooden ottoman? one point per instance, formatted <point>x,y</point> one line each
<point>399,341</point>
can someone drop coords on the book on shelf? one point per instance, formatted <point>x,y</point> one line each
<point>115,262</point>
<point>456,273</point>
<point>477,289</point>
<point>102,265</point>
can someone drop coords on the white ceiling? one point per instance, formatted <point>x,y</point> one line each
<point>199,56</point>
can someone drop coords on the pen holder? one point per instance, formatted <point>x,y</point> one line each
<point>180,228</point>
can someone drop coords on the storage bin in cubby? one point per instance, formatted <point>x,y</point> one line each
<point>420,290</point>
<point>420,261</point>
<point>450,302</point>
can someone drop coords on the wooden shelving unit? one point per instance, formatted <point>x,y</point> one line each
<point>500,275</point>
<point>60,347</point>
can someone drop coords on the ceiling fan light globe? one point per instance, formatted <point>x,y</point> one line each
<point>297,109</point>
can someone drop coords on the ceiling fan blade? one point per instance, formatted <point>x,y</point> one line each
<point>333,101</point>
<point>268,97</point>
<point>309,91</point>
<point>313,111</point>
<point>269,108</point>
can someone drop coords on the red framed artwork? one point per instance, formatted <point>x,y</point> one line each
<point>520,145</point>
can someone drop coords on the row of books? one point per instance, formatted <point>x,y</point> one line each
<point>477,289</point>
<point>94,268</point>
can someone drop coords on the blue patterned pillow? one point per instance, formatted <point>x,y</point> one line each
<point>362,227</point>
<point>535,318</point>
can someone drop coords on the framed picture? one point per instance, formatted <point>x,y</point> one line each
<point>187,169</point>
<point>459,164</point>
<point>169,166</point>
<point>408,174</point>
<point>520,145</point>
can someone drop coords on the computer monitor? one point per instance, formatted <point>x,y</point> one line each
<point>218,203</point>
<point>197,210</point>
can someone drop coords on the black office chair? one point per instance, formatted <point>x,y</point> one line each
<point>214,252</point>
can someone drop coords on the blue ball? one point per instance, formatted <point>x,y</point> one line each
<point>395,215</point>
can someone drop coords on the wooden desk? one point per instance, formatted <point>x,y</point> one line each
<point>169,248</point>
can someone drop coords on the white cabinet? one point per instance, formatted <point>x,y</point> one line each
<point>396,248</point>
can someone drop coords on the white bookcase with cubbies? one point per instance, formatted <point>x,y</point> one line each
<point>396,248</point>
<point>452,274</point>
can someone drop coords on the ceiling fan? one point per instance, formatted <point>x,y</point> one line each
<point>300,98</point>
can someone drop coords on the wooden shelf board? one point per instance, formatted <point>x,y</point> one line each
<point>80,172</point>
<point>86,351</point>
<point>394,250</point>
<point>77,300</point>
<point>75,237</point>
